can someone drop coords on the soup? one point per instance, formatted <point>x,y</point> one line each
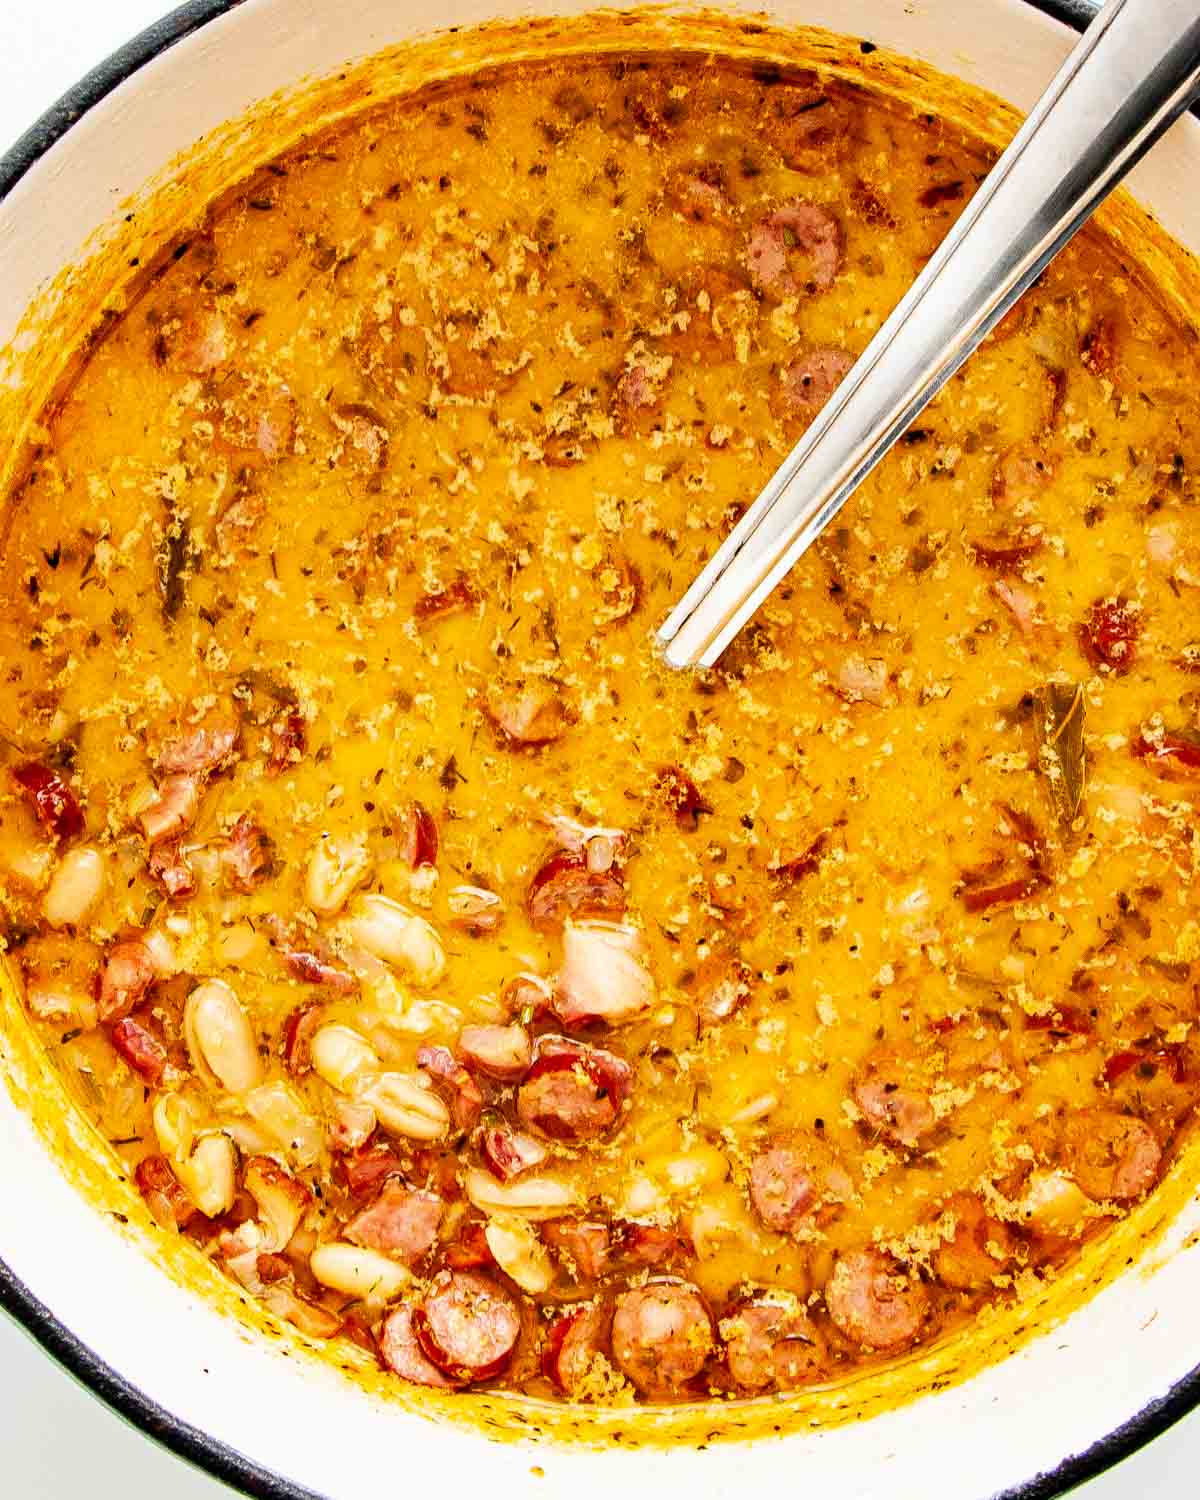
<point>463,981</point>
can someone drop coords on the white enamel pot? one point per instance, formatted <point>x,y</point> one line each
<point>1063,1406</point>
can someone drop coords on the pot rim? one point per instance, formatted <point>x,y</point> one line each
<point>34,1317</point>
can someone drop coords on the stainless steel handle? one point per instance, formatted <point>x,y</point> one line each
<point>1136,68</point>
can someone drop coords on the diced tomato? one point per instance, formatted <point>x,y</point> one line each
<point>51,798</point>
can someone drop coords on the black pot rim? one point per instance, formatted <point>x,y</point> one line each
<point>199,1448</point>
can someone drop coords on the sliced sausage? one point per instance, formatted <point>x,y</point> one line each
<point>171,870</point>
<point>893,1095</point>
<point>1021,475</point>
<point>573,1341</point>
<point>572,1092</point>
<point>583,1245</point>
<point>723,985</point>
<point>1108,636</point>
<point>662,1336</point>
<point>797,250</point>
<point>456,1085</point>
<point>603,975</point>
<point>140,1048</point>
<point>402,1222</point>
<point>174,808</point>
<point>700,194</point>
<point>797,1182</point>
<point>468,1325</point>
<point>401,1353</point>
<point>770,1341</point>
<point>807,384</point>
<point>874,1303</point>
<point>1111,1155</point>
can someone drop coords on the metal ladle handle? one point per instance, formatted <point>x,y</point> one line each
<point>1136,68</point>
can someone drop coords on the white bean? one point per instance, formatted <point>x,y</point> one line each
<point>278,1109</point>
<point>519,1253</point>
<point>357,1272</point>
<point>76,886</point>
<point>176,1120</point>
<point>209,1174</point>
<point>531,1197</point>
<point>385,929</point>
<point>407,1105</point>
<point>220,1038</point>
<point>1054,1204</point>
<point>335,867</point>
<point>343,1058</point>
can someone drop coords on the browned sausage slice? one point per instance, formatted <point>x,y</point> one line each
<point>874,1302</point>
<point>806,385</point>
<point>979,1250</point>
<point>572,1092</point>
<point>797,1180</point>
<point>401,1353</point>
<point>572,1343</point>
<point>795,250</point>
<point>891,1093</point>
<point>1111,1155</point>
<point>771,1341</point>
<point>402,1222</point>
<point>467,1325</point>
<point>661,1336</point>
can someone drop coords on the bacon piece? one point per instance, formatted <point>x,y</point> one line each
<point>771,1342</point>
<point>129,970</point>
<point>1111,1155</point>
<point>468,1325</point>
<point>201,749</point>
<point>573,1341</point>
<point>603,975</point>
<point>797,227</point>
<point>500,1052</point>
<point>583,1243</point>
<point>507,1153</point>
<point>470,1250</point>
<point>1004,554</point>
<point>247,857</point>
<point>170,869</point>
<point>401,1222</point>
<point>164,1197</point>
<point>365,1170</point>
<point>1172,755</point>
<point>456,597</point>
<point>459,1089</point>
<point>804,864</point>
<point>1098,347</point>
<point>808,383</point>
<point>418,836</point>
<point>1021,474</point>
<point>526,714</point>
<point>572,1092</point>
<point>863,680</point>
<point>140,1048</point>
<point>1020,603</point>
<point>874,1303</point>
<point>565,886</point>
<point>173,810</point>
<point>676,790</point>
<point>1108,637</point>
<point>941,192</point>
<point>723,985</point>
<point>474,909</point>
<point>401,1353</point>
<point>289,741</point>
<point>662,1336</point>
<point>700,193</point>
<point>295,1041</point>
<point>313,968</point>
<point>797,1182</point>
<point>51,798</point>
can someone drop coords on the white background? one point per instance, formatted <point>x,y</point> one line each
<point>56,1441</point>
